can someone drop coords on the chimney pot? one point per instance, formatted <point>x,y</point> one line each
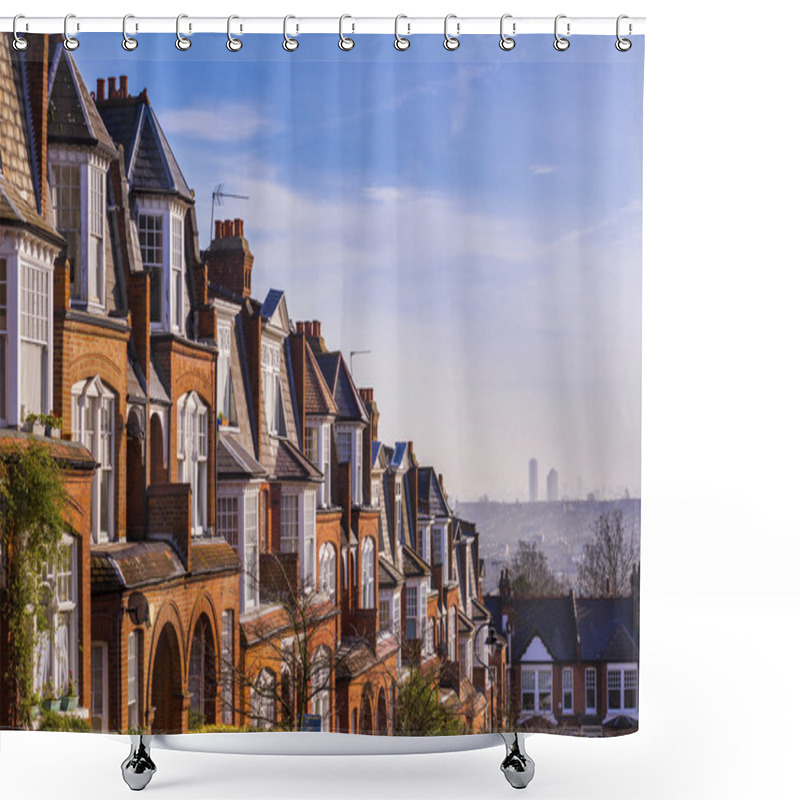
<point>217,228</point>
<point>112,88</point>
<point>316,327</point>
<point>100,94</point>
<point>123,85</point>
<point>228,229</point>
<point>238,227</point>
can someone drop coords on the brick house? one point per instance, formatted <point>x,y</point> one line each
<point>572,661</point>
<point>31,261</point>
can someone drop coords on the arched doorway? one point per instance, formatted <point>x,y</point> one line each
<point>365,717</point>
<point>165,693</point>
<point>203,674</point>
<point>383,714</point>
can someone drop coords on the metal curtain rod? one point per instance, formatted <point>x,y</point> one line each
<point>244,25</point>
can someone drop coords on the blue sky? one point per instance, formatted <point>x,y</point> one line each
<point>473,218</point>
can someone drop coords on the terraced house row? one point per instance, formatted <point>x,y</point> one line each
<point>244,550</point>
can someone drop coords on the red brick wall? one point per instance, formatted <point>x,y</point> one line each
<point>169,511</point>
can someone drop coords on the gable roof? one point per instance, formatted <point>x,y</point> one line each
<point>337,376</point>
<point>150,164</point>
<point>388,576</point>
<point>318,396</point>
<point>273,309</point>
<point>413,565</point>
<point>72,115</point>
<point>292,465</point>
<point>430,497</point>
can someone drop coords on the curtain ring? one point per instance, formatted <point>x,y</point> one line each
<point>128,42</point>
<point>181,41</point>
<point>290,44</point>
<point>451,42</point>
<point>70,42</point>
<point>561,44</point>
<point>623,45</point>
<point>233,44</point>
<point>507,42</point>
<point>401,42</point>
<point>19,42</point>
<point>345,43</point>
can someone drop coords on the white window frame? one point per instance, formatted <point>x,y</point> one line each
<point>93,167</point>
<point>300,535</point>
<point>133,680</point>
<point>317,449</point>
<point>225,405</point>
<point>176,273</point>
<point>539,672</point>
<point>452,634</point>
<point>367,556</point>
<point>398,510</point>
<point>567,690</point>
<point>327,570</point>
<point>151,245</point>
<point>349,451</point>
<point>237,523</point>
<point>100,648</point>
<point>627,672</point>
<point>412,611</point>
<point>271,385</point>
<point>193,438</point>
<point>590,684</point>
<point>93,425</point>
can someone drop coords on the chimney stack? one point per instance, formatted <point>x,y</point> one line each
<point>123,85</point>
<point>229,260</point>
<point>100,94</point>
<point>112,88</point>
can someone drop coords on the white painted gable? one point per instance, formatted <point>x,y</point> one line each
<point>536,651</point>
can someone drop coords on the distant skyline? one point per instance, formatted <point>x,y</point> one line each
<point>472,218</point>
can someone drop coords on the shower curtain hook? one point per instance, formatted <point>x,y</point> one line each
<point>128,42</point>
<point>233,44</point>
<point>451,42</point>
<point>507,42</point>
<point>290,44</point>
<point>70,42</point>
<point>561,43</point>
<point>623,45</point>
<point>182,42</point>
<point>345,43</point>
<point>19,42</point>
<point>401,42</point>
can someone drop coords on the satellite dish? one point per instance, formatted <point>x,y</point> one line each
<point>140,609</point>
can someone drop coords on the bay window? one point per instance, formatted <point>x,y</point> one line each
<point>348,447</point>
<point>290,517</point>
<point>176,272</point>
<point>93,414</point>
<point>451,633</point>
<point>94,245</point>
<point>368,573</point>
<point>66,184</point>
<point>317,450</point>
<point>299,517</point>
<point>34,339</point>
<point>193,456</point>
<point>440,553</point>
<point>537,688</point>
<point>398,508</point>
<point>412,612</point>
<point>235,513</point>
<point>151,243</point>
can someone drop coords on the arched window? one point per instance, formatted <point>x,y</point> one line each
<point>93,408</point>
<point>262,700</point>
<point>327,570</point>
<point>321,669</point>
<point>368,574</point>
<point>193,455</point>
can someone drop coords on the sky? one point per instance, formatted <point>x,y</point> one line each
<point>472,218</point>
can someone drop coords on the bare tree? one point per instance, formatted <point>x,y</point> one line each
<point>608,559</point>
<point>531,575</point>
<point>296,665</point>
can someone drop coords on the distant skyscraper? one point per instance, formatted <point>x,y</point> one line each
<point>552,486</point>
<point>533,481</point>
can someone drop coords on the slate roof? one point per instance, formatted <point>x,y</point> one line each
<point>430,498</point>
<point>597,629</point>
<point>213,555</point>
<point>337,376</point>
<point>318,396</point>
<point>271,303</point>
<point>464,623</point>
<point>233,461</point>
<point>413,565</point>
<point>136,393</point>
<point>599,623</point>
<point>292,465</point>
<point>123,565</point>
<point>150,164</point>
<point>158,391</point>
<point>355,657</point>
<point>72,113</point>
<point>388,576</point>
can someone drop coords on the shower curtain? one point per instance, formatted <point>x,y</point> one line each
<point>332,355</point>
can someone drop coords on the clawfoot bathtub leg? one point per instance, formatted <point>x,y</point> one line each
<point>138,768</point>
<point>517,766</point>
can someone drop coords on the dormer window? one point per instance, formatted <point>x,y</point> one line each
<point>348,447</point>
<point>271,387</point>
<point>160,225</point>
<point>78,181</point>
<point>225,405</point>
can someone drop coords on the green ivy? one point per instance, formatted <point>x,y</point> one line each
<point>33,501</point>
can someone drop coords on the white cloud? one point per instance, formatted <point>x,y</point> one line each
<point>542,169</point>
<point>227,122</point>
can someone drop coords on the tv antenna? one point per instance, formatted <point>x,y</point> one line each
<point>216,200</point>
<point>356,353</point>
